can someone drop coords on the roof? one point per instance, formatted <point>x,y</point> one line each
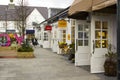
<point>9,14</point>
<point>43,11</point>
<point>61,14</point>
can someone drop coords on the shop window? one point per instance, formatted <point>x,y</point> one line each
<point>64,35</point>
<point>45,37</point>
<point>83,35</point>
<point>98,25</point>
<point>73,31</point>
<point>40,37</point>
<point>101,34</point>
<point>73,34</point>
<point>80,42</point>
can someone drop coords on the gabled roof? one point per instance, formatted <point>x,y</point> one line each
<point>9,15</point>
<point>43,11</point>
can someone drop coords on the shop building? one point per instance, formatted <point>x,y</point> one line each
<point>9,19</point>
<point>95,29</point>
<point>63,30</point>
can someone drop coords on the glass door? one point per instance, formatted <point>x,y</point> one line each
<point>83,44</point>
<point>99,43</point>
<point>101,34</point>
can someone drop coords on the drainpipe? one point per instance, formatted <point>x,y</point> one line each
<point>118,39</point>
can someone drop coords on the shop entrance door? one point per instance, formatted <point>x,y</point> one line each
<point>82,55</point>
<point>99,43</point>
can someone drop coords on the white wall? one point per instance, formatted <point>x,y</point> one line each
<point>10,26</point>
<point>35,16</point>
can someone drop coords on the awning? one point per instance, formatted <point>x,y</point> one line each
<point>80,6</point>
<point>99,4</point>
<point>89,5</point>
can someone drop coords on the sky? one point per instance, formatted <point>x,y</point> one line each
<point>43,3</point>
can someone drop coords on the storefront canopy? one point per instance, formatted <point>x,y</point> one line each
<point>99,4</point>
<point>89,5</point>
<point>80,6</point>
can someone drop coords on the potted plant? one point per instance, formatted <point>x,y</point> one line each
<point>72,52</point>
<point>25,51</point>
<point>110,65</point>
<point>62,44</point>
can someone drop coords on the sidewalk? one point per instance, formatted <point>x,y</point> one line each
<point>46,66</point>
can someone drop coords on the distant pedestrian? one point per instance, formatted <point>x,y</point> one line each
<point>34,41</point>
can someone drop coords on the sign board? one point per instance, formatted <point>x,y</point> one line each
<point>48,27</point>
<point>62,24</point>
<point>68,36</point>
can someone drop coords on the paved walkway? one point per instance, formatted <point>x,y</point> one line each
<point>46,66</point>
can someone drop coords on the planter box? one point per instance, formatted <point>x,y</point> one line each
<point>4,48</point>
<point>25,55</point>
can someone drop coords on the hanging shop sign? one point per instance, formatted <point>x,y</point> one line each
<point>68,36</point>
<point>62,23</point>
<point>30,31</point>
<point>48,27</point>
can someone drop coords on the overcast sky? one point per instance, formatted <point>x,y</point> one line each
<point>44,3</point>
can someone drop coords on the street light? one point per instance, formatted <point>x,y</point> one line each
<point>11,5</point>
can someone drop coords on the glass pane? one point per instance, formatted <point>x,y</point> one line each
<point>97,34</point>
<point>80,27</point>
<point>64,35</point>
<point>85,42</point>
<point>104,25</point>
<point>104,43</point>
<point>64,40</point>
<point>97,24</point>
<point>80,34</point>
<point>86,28</point>
<point>80,42</point>
<point>64,31</point>
<point>97,43</point>
<point>104,34</point>
<point>86,35</point>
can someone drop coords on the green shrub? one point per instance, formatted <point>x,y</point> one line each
<point>25,48</point>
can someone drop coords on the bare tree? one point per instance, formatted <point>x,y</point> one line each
<point>21,13</point>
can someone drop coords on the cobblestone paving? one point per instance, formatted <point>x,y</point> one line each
<point>46,66</point>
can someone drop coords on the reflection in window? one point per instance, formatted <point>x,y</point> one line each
<point>97,24</point>
<point>45,37</point>
<point>104,25</point>
<point>64,35</point>
<point>80,34</point>
<point>97,34</point>
<point>80,27</point>
<point>86,28</point>
<point>101,34</point>
<point>86,35</point>
<point>104,43</point>
<point>104,34</point>
<point>97,43</point>
<point>85,42</point>
<point>83,35</point>
<point>80,42</point>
